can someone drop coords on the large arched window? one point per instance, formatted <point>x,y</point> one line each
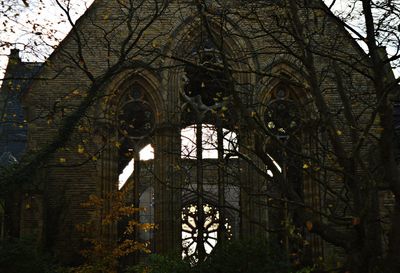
<point>135,125</point>
<point>284,117</point>
<point>207,147</point>
<point>284,122</point>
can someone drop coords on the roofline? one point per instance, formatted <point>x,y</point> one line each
<point>77,23</point>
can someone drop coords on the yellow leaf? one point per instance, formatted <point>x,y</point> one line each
<point>94,158</point>
<point>338,132</point>
<point>81,149</point>
<point>306,166</point>
<point>117,144</point>
<point>155,44</point>
<point>62,160</point>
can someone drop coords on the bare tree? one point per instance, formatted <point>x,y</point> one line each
<point>324,124</point>
<point>350,124</point>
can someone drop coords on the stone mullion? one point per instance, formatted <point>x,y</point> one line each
<point>245,190</point>
<point>200,192</point>
<point>167,192</point>
<point>253,213</point>
<point>108,184</point>
<point>221,185</point>
<point>312,194</point>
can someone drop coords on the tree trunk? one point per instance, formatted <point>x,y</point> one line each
<point>394,240</point>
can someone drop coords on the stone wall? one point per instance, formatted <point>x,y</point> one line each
<point>82,64</point>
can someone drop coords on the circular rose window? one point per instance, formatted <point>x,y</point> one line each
<point>136,119</point>
<point>191,243</point>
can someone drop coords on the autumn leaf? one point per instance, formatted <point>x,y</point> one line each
<point>309,225</point>
<point>76,92</point>
<point>355,221</point>
<point>81,149</point>
<point>155,44</point>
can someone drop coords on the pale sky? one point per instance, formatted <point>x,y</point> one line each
<point>41,25</point>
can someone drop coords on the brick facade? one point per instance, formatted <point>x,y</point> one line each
<point>260,59</point>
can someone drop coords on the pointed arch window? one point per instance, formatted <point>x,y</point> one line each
<point>206,144</point>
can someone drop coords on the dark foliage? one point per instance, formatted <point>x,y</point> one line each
<point>23,256</point>
<point>252,256</point>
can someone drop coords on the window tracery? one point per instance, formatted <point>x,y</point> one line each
<point>136,116</point>
<point>207,90</point>
<point>282,114</point>
<point>211,224</point>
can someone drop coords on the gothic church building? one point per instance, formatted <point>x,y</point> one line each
<point>204,112</point>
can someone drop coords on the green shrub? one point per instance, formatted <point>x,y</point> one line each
<point>253,256</point>
<point>162,264</point>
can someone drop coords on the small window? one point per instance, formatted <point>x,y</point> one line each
<point>146,215</point>
<point>147,153</point>
<point>126,173</point>
<point>278,167</point>
<point>209,141</point>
